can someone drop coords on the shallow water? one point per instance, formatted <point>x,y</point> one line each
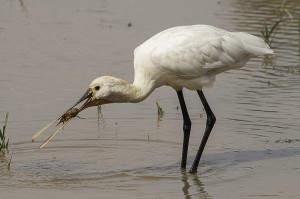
<point>51,50</point>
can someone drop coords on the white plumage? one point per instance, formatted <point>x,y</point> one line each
<point>191,56</point>
<point>181,57</point>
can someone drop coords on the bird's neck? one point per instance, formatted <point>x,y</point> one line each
<point>131,93</point>
<point>139,91</point>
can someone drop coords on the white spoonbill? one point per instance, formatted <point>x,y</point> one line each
<point>180,57</point>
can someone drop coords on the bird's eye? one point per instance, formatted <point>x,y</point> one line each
<point>97,88</point>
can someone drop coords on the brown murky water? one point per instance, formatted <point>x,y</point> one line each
<point>51,50</point>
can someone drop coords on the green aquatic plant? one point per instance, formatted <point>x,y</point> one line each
<point>4,145</point>
<point>283,16</point>
<point>3,140</point>
<point>268,33</point>
<point>160,111</point>
<point>9,161</point>
<point>284,11</point>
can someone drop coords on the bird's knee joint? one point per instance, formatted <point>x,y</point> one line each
<point>187,126</point>
<point>211,119</point>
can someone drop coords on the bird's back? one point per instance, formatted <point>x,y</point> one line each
<point>191,56</point>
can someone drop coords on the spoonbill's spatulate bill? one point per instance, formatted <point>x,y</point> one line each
<point>180,57</point>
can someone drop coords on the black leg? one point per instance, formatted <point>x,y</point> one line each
<point>186,128</point>
<point>211,119</point>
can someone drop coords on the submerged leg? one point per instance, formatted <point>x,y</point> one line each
<point>211,119</point>
<point>186,128</point>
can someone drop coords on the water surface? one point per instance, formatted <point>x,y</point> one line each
<point>51,50</point>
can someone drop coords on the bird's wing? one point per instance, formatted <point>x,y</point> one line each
<point>193,53</point>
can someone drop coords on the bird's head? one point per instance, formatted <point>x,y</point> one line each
<point>95,95</point>
<point>102,90</point>
<point>98,93</point>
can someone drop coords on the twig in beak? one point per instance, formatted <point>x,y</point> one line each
<point>53,134</point>
<point>66,117</point>
<point>42,130</point>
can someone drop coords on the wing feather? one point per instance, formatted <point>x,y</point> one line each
<point>195,52</point>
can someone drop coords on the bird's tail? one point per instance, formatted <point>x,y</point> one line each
<point>254,45</point>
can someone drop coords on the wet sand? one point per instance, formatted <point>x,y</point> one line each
<point>51,50</point>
